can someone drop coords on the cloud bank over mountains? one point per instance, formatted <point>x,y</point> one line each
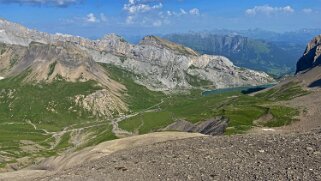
<point>269,10</point>
<point>152,13</point>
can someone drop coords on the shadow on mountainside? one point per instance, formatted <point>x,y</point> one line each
<point>315,84</point>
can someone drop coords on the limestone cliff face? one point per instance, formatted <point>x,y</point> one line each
<point>163,65</point>
<point>312,55</point>
<point>159,64</point>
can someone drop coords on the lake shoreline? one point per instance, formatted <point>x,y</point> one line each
<point>243,89</point>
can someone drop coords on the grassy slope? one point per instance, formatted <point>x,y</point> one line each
<point>138,96</point>
<point>49,107</point>
<point>241,109</point>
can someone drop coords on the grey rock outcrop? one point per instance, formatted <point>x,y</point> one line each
<point>214,126</point>
<point>312,55</point>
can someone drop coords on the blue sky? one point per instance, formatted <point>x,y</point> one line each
<point>94,18</point>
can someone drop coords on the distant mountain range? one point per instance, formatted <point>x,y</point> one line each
<point>301,36</point>
<point>160,64</point>
<point>277,58</point>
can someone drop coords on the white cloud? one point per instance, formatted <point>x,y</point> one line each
<point>269,10</point>
<point>194,11</point>
<point>130,20</point>
<point>103,17</point>
<point>136,6</point>
<point>151,13</point>
<point>307,10</point>
<point>287,9</point>
<point>91,18</point>
<point>59,3</point>
<point>182,12</point>
<point>143,12</point>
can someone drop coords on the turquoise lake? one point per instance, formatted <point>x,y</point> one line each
<point>245,89</point>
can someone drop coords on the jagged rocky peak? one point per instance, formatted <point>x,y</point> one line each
<point>162,43</point>
<point>113,37</point>
<point>6,24</point>
<point>316,41</point>
<point>113,43</point>
<point>312,55</point>
<point>13,33</point>
<point>217,61</point>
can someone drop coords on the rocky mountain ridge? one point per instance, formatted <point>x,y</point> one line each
<point>158,64</point>
<point>161,68</point>
<point>38,63</point>
<point>312,55</point>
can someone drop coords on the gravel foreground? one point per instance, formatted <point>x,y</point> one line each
<point>241,157</point>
